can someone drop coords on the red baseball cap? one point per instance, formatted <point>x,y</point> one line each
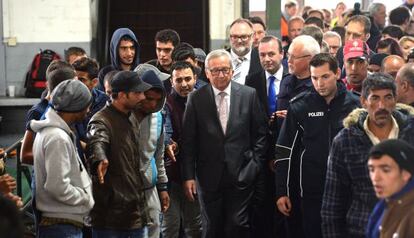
<point>356,49</point>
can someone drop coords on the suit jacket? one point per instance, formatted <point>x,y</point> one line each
<point>255,65</point>
<point>258,82</point>
<point>208,152</point>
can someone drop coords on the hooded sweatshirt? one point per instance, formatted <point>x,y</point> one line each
<point>63,187</point>
<point>113,50</point>
<point>151,141</point>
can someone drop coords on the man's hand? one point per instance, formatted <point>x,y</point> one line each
<point>172,150</point>
<point>16,199</point>
<point>7,184</point>
<point>190,190</point>
<point>284,205</point>
<point>281,113</point>
<point>165,201</point>
<point>101,170</point>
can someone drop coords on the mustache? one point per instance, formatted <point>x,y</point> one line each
<point>382,112</point>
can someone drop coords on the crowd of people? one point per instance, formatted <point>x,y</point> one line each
<point>309,135</point>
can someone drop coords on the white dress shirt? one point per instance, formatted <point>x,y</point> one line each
<point>240,74</point>
<point>227,97</point>
<point>278,75</point>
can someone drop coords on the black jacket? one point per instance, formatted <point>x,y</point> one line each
<point>120,201</point>
<point>314,123</point>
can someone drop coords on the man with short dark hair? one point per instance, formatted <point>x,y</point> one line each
<point>124,51</point>
<point>74,53</point>
<point>259,28</point>
<point>401,17</point>
<point>356,28</point>
<point>87,72</point>
<point>313,118</point>
<point>348,195</point>
<point>267,85</point>
<point>57,72</point>
<point>182,212</point>
<point>114,157</point>
<point>165,42</point>
<point>185,52</point>
<point>391,169</point>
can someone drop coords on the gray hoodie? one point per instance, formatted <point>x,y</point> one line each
<point>63,187</point>
<point>151,142</point>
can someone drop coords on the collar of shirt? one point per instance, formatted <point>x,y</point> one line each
<point>226,90</point>
<point>246,57</point>
<point>374,139</point>
<point>227,97</point>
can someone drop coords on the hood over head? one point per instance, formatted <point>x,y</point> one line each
<point>150,77</point>
<point>116,38</point>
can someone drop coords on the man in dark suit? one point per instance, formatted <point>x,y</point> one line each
<point>245,58</point>
<point>224,145</point>
<point>267,221</point>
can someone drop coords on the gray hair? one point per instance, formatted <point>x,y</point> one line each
<point>216,54</point>
<point>310,45</point>
<point>331,34</point>
<point>374,8</point>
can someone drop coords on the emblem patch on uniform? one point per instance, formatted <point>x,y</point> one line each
<point>315,114</point>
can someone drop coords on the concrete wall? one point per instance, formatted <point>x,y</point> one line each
<point>24,31</point>
<point>222,14</point>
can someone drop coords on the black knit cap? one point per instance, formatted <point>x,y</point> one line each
<point>399,150</point>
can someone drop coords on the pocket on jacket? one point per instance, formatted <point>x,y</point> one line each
<point>248,169</point>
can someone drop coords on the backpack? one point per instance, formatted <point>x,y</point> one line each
<point>35,82</point>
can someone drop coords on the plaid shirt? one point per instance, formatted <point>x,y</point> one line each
<point>349,196</point>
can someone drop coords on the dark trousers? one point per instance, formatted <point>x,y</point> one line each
<point>311,216</point>
<point>294,221</point>
<point>225,212</point>
<point>266,220</point>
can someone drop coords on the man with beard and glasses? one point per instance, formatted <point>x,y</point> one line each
<point>244,58</point>
<point>349,196</point>
<point>114,157</point>
<point>124,51</point>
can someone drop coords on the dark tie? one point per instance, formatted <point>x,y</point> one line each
<point>271,95</point>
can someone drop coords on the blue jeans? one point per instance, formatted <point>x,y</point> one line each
<point>109,233</point>
<point>59,231</point>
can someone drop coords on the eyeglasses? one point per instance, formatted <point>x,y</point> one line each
<point>289,56</point>
<point>216,72</point>
<point>241,37</point>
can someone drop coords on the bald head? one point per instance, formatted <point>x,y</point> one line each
<point>405,84</point>
<point>391,64</point>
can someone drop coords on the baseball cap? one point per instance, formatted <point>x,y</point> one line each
<point>142,68</point>
<point>399,150</point>
<point>356,49</point>
<point>128,81</point>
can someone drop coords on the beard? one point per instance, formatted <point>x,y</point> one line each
<point>241,50</point>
